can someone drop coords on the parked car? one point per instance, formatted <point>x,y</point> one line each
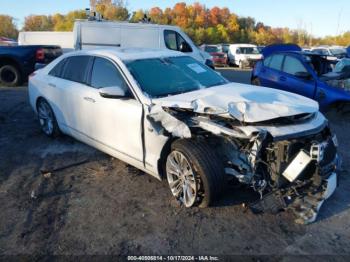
<point>219,58</point>
<point>17,62</point>
<point>224,48</point>
<point>175,118</point>
<point>305,73</point>
<point>243,55</point>
<point>331,51</point>
<point>260,48</point>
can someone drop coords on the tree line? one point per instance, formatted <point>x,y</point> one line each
<point>203,25</point>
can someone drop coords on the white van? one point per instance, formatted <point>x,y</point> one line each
<point>92,34</point>
<point>243,55</point>
<point>62,39</point>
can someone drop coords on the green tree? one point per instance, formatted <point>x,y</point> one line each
<point>137,16</point>
<point>66,22</point>
<point>8,27</point>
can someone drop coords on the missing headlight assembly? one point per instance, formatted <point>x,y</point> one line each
<point>293,170</point>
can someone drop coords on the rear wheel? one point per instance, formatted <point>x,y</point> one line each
<point>10,75</point>
<point>194,172</point>
<point>47,119</point>
<point>256,81</point>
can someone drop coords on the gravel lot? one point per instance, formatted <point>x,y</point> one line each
<point>99,205</point>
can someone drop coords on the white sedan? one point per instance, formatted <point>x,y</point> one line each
<point>171,116</point>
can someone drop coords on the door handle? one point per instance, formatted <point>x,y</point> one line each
<point>283,78</point>
<point>52,85</point>
<point>89,99</point>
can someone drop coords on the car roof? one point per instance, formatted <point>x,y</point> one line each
<point>125,54</point>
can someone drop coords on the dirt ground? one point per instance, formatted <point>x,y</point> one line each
<point>101,206</point>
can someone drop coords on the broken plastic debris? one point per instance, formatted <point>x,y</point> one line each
<point>169,123</point>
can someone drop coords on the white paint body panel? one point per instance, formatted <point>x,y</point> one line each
<point>92,34</point>
<point>62,39</point>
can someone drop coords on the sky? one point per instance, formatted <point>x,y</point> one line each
<point>319,17</point>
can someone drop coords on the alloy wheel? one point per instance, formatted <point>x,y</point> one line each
<point>181,178</point>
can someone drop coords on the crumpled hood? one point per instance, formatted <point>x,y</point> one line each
<point>245,103</point>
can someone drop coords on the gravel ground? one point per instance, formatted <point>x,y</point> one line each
<point>99,205</point>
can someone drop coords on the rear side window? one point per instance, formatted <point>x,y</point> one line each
<point>276,62</point>
<point>58,69</point>
<point>293,66</point>
<point>76,68</point>
<point>105,74</point>
<point>267,61</point>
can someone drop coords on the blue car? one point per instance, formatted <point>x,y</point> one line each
<point>287,67</point>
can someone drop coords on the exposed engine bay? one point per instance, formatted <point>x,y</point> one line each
<point>290,161</point>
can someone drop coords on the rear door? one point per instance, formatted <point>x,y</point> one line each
<point>70,88</point>
<point>270,73</point>
<point>292,83</point>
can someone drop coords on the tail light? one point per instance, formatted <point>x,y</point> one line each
<point>40,54</point>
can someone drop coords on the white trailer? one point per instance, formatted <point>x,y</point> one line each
<point>63,39</point>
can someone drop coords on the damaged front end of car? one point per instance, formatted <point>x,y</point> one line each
<point>291,161</point>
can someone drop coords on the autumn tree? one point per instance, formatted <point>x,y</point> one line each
<point>38,23</point>
<point>8,27</point>
<point>112,10</point>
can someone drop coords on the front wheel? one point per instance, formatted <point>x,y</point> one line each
<point>194,172</point>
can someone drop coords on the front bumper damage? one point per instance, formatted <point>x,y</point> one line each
<point>291,162</point>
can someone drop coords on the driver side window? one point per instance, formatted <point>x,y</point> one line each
<point>105,74</point>
<point>292,66</point>
<point>173,40</point>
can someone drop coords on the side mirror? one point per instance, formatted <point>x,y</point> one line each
<point>303,75</point>
<point>185,47</point>
<point>112,92</point>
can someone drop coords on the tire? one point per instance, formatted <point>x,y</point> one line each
<point>207,172</point>
<point>256,81</point>
<point>47,119</point>
<point>10,75</point>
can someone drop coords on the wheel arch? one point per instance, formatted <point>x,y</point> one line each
<point>6,60</point>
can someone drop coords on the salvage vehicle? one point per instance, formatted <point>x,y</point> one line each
<point>219,58</point>
<point>17,62</point>
<point>287,67</point>
<point>243,55</point>
<point>175,118</point>
<point>330,51</point>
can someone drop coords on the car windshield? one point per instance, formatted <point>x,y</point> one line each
<point>249,50</point>
<point>337,51</point>
<point>159,77</point>
<point>211,49</point>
